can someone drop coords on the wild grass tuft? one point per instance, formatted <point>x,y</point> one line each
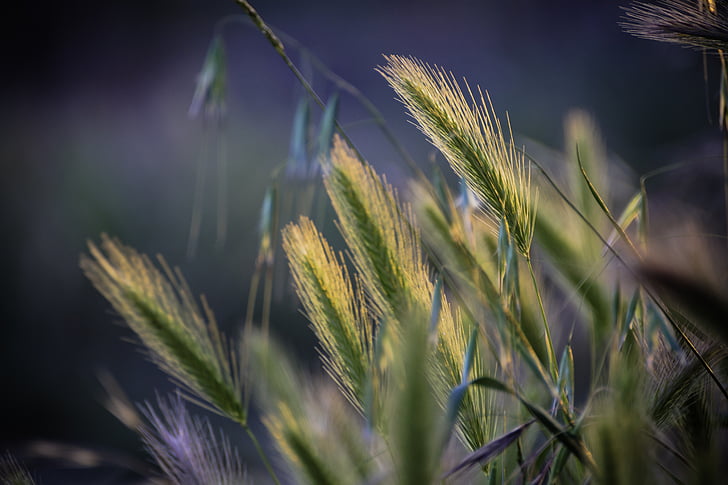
<point>698,24</point>
<point>469,135</point>
<point>385,247</point>
<point>315,429</point>
<point>185,447</point>
<point>424,322</point>
<point>181,336</point>
<point>383,243</point>
<point>335,308</point>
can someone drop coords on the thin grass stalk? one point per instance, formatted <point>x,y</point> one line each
<point>280,49</point>
<point>262,454</point>
<point>267,299</point>
<point>553,365</point>
<point>342,84</point>
<point>222,181</point>
<point>198,199</point>
<point>368,105</point>
<point>252,295</point>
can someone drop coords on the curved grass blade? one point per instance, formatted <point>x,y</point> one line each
<point>457,394</point>
<point>571,441</point>
<point>326,132</point>
<point>490,451</point>
<point>297,164</point>
<point>605,209</point>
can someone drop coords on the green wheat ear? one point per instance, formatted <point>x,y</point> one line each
<point>336,311</point>
<point>386,250</point>
<point>384,246</point>
<point>182,337</point>
<point>470,137</point>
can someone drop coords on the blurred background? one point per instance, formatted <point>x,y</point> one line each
<point>95,138</point>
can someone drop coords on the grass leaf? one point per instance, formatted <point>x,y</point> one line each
<point>486,453</point>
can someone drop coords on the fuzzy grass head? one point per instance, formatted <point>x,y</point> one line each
<point>186,448</point>
<point>701,24</point>
<point>336,310</point>
<point>470,137</point>
<point>385,246</point>
<point>182,337</point>
<point>376,227</point>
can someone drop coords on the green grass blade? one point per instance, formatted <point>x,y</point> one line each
<point>485,454</point>
<point>327,130</point>
<point>298,151</point>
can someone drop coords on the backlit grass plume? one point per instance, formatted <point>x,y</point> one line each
<point>470,137</point>
<point>386,250</point>
<point>383,243</point>
<point>182,337</point>
<point>335,309</point>
<point>186,448</point>
<point>321,438</point>
<point>693,23</point>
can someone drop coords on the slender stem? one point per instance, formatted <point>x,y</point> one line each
<point>199,197</point>
<point>253,294</point>
<point>280,49</point>
<point>725,177</point>
<point>344,85</point>
<point>261,453</point>
<point>546,330</point>
<point>267,299</point>
<point>222,177</point>
<point>549,346</point>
